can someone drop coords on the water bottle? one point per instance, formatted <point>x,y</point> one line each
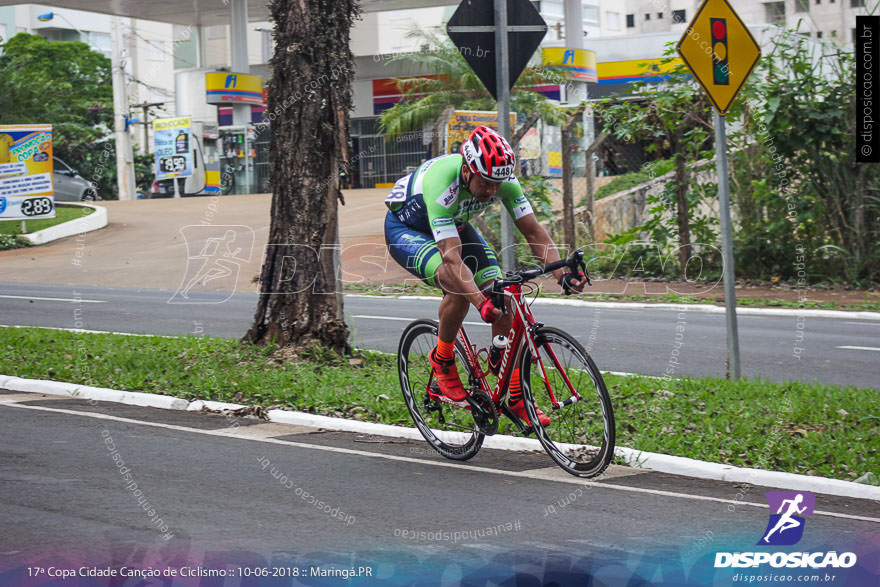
<point>500,342</point>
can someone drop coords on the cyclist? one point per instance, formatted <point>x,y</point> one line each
<point>428,232</point>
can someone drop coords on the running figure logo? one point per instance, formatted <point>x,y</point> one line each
<point>786,526</point>
<point>215,255</point>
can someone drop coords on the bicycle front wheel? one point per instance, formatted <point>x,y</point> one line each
<point>564,383</point>
<point>450,429</point>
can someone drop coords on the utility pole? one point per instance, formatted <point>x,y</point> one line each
<point>124,156</point>
<point>146,121</point>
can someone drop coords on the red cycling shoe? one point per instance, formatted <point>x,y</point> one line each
<point>447,378</point>
<point>519,408</point>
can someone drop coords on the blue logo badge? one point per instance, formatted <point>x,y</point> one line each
<point>786,524</point>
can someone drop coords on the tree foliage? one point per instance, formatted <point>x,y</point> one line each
<point>68,85</point>
<point>448,80</point>
<point>805,208</point>
<point>671,118</point>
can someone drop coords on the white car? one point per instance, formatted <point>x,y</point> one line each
<point>70,186</point>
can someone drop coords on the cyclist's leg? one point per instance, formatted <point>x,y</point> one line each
<point>479,257</point>
<point>417,252</point>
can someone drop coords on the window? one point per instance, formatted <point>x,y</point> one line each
<point>630,21</point>
<point>591,14</point>
<point>833,33</point>
<point>612,20</point>
<point>553,9</point>
<point>857,3</point>
<point>818,1</point>
<point>679,16</point>
<point>647,16</point>
<point>818,34</point>
<point>2,33</point>
<point>804,5</point>
<point>775,12</point>
<point>659,16</point>
<point>99,42</point>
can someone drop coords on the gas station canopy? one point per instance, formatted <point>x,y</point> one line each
<point>207,12</point>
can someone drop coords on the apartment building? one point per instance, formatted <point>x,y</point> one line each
<point>820,19</point>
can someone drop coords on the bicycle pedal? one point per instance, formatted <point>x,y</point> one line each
<point>517,421</point>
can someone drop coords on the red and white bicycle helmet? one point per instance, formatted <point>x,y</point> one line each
<point>489,154</point>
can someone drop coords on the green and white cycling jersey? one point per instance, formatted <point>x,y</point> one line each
<point>433,198</point>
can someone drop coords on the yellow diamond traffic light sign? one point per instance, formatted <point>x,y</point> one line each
<point>720,52</point>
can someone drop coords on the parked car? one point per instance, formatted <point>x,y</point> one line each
<point>70,186</point>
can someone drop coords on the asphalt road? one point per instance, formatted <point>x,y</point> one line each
<point>646,341</point>
<point>230,492</point>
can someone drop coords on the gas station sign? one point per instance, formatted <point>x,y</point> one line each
<point>173,153</point>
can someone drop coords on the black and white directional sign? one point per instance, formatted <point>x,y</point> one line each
<point>472,29</point>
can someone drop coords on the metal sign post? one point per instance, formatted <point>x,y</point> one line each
<point>479,24</point>
<point>721,53</point>
<point>502,80</point>
<point>728,275</point>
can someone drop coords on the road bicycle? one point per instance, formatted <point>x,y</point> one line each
<point>558,376</point>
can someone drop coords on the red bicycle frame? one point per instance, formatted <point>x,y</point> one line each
<point>520,332</point>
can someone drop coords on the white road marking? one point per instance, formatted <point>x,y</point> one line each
<point>862,323</point>
<point>84,331</point>
<point>859,348</point>
<point>233,433</point>
<point>54,299</point>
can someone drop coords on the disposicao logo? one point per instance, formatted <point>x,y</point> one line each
<point>785,528</point>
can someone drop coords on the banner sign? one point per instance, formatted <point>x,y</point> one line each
<point>27,191</point>
<point>463,122</point>
<point>579,64</point>
<point>223,87</point>
<point>173,153</point>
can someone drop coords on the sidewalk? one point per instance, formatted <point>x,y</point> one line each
<point>144,245</point>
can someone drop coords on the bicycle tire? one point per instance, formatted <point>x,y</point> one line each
<point>580,436</point>
<point>458,439</point>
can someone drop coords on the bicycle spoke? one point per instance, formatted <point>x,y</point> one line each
<point>450,429</point>
<point>580,437</point>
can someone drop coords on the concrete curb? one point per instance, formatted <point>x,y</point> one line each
<point>94,221</point>
<point>699,308</point>
<point>644,460</point>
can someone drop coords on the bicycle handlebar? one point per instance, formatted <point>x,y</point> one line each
<point>575,263</point>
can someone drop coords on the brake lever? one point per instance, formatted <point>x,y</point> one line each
<point>498,300</point>
<point>586,273</point>
<point>580,264</point>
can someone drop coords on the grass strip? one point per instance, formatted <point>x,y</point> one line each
<point>805,428</point>
<point>62,214</point>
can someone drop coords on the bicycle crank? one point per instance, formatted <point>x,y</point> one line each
<point>483,410</point>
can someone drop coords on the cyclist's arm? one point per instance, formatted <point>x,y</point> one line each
<point>458,277</point>
<point>539,241</point>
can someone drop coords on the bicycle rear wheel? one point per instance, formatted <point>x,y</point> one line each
<point>450,429</point>
<point>580,437</point>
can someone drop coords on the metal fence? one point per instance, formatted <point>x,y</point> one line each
<point>382,159</point>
